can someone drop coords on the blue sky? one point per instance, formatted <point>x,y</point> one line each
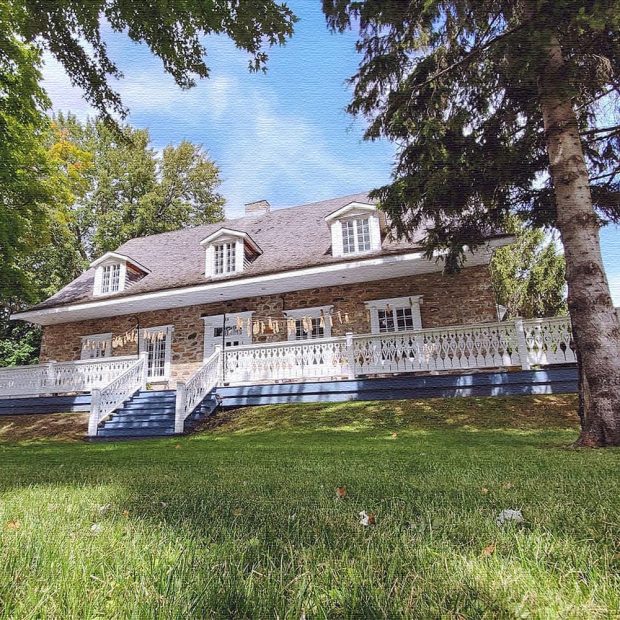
<point>283,136</point>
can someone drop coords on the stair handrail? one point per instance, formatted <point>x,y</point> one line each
<point>106,400</point>
<point>193,391</point>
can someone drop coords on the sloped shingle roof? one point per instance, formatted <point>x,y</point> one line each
<point>290,238</point>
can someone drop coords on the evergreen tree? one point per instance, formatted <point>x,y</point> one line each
<point>503,106</point>
<point>529,275</point>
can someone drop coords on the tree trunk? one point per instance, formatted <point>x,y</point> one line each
<point>596,328</point>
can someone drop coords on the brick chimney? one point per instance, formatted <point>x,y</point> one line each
<point>260,207</point>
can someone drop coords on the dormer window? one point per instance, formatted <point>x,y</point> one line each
<point>225,257</point>
<point>115,272</point>
<point>355,229</point>
<point>111,278</point>
<point>355,236</point>
<point>228,252</point>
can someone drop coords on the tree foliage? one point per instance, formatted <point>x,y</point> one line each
<point>529,275</point>
<point>455,85</point>
<point>130,190</point>
<point>174,31</point>
<point>504,107</point>
<point>109,187</point>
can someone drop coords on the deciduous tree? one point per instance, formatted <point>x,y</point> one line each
<point>503,106</point>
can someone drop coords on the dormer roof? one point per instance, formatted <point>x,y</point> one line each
<point>351,207</point>
<point>229,232</point>
<point>115,256</point>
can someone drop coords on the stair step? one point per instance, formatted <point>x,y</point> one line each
<point>148,401</point>
<point>153,409</point>
<point>138,424</point>
<point>120,417</point>
<point>136,433</point>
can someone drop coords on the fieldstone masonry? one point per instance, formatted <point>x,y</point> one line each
<point>460,299</point>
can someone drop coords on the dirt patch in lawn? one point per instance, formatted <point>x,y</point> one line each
<point>56,426</point>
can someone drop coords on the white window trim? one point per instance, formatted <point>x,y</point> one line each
<point>107,338</point>
<point>395,303</point>
<point>354,211</point>
<point>99,277</point>
<point>311,313</point>
<point>168,351</point>
<point>216,320</point>
<point>210,257</point>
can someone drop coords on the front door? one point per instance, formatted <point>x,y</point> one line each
<point>227,330</point>
<point>156,342</point>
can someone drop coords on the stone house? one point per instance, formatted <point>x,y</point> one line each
<point>315,271</point>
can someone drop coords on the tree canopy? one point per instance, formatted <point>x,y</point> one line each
<point>529,275</point>
<point>503,107</point>
<point>174,31</point>
<point>455,85</point>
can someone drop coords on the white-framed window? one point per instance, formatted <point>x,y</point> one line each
<point>110,278</point>
<point>355,235</point>
<point>224,257</point>
<point>310,323</point>
<point>355,229</point>
<point>157,343</point>
<point>95,346</point>
<point>398,314</point>
<point>229,330</point>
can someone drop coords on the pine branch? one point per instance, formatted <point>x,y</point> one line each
<point>472,53</point>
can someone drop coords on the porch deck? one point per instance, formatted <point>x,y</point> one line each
<point>484,359</point>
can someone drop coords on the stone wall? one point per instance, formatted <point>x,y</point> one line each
<point>463,298</point>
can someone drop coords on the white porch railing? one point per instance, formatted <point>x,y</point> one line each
<point>463,347</point>
<point>59,377</point>
<point>192,393</point>
<point>106,400</point>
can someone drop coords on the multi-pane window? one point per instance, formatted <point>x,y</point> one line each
<point>111,278</point>
<point>395,319</point>
<point>156,342</point>
<point>355,236</point>
<point>224,258</point>
<point>309,328</point>
<point>96,346</point>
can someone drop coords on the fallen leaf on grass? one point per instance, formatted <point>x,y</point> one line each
<point>96,528</point>
<point>13,525</point>
<point>484,491</point>
<point>367,519</point>
<point>341,492</point>
<point>103,509</point>
<point>237,512</point>
<point>394,435</point>
<point>490,550</point>
<point>126,514</point>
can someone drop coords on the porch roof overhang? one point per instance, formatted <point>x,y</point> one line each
<point>336,274</point>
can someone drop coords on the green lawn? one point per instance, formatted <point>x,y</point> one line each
<point>242,519</point>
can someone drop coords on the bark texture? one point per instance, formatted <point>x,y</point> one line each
<point>596,328</point>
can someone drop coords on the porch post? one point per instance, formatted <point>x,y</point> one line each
<point>145,367</point>
<point>95,405</point>
<point>350,355</point>
<point>222,363</point>
<point>179,419</point>
<point>50,379</point>
<point>522,343</point>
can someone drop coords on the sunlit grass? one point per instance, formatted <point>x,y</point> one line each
<point>242,520</point>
